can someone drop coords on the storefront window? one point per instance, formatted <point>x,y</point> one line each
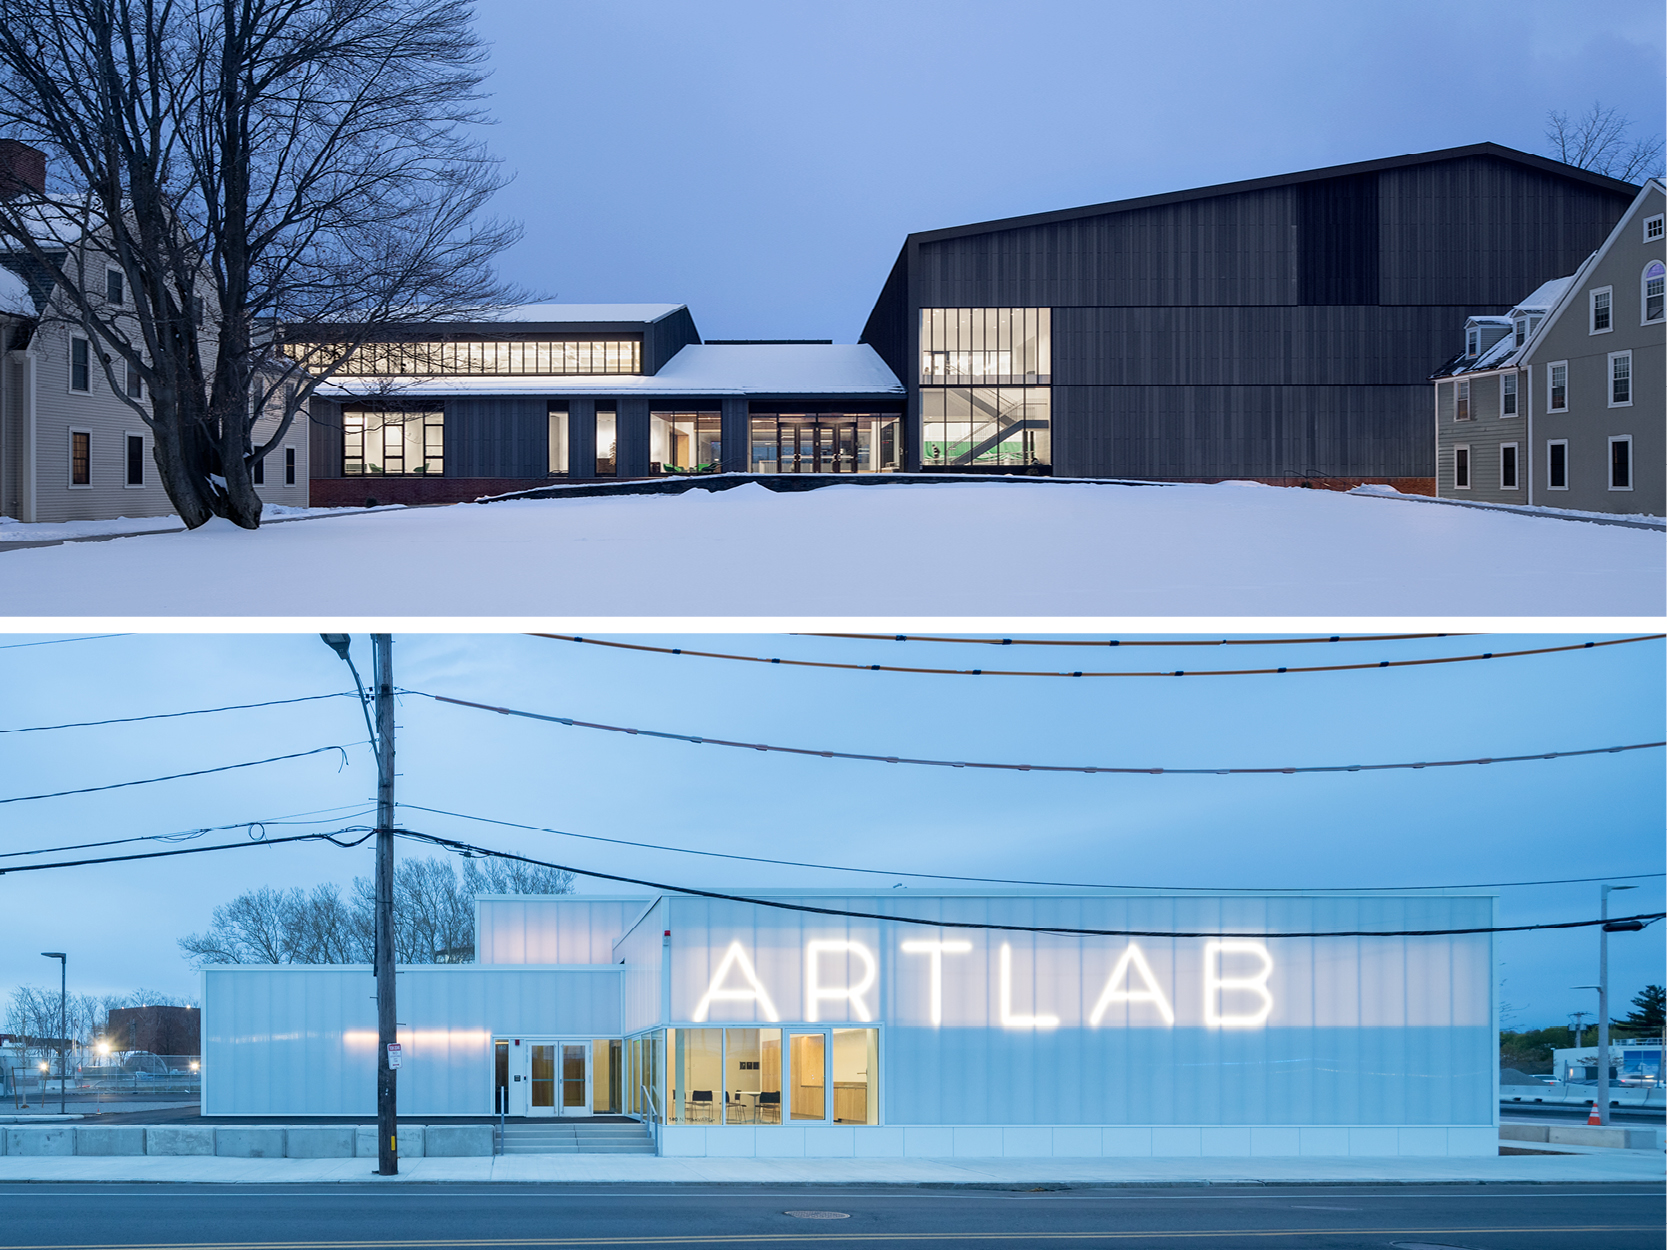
<point>607,442</point>
<point>393,443</point>
<point>752,1076</point>
<point>697,1058</point>
<point>856,1063</point>
<point>990,346</point>
<point>861,442</point>
<point>985,426</point>
<point>558,440</point>
<point>685,442</point>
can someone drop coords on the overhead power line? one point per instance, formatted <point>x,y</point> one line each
<point>1025,768</point>
<point>196,850</point>
<point>201,711</point>
<point>199,772</point>
<point>187,835</point>
<point>465,848</point>
<point>1011,672</point>
<point>1134,642</point>
<point>944,876</point>
<point>52,642</point>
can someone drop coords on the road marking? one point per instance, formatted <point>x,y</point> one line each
<point>761,1238</point>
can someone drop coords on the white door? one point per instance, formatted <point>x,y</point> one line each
<point>541,1078</point>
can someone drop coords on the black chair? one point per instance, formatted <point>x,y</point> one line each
<point>701,1100</point>
<point>769,1107</point>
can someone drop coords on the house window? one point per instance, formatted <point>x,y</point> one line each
<point>1557,386</point>
<point>1653,228</point>
<point>135,459</point>
<point>257,472</point>
<point>399,442</point>
<point>1461,467</point>
<point>1620,462</point>
<point>1557,464</point>
<point>607,442</point>
<point>80,458</point>
<point>289,466</point>
<point>135,382</point>
<point>1655,284</point>
<point>1601,321</point>
<point>80,365</point>
<point>1472,343</point>
<point>558,439</point>
<point>1507,466</point>
<point>1620,379</point>
<point>114,286</point>
<point>1507,394</point>
<point>1461,407</point>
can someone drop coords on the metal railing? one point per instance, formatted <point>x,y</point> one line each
<point>94,1085</point>
<point>651,1117</point>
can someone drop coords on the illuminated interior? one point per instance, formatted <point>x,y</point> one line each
<point>685,442</point>
<point>826,443</point>
<point>466,357</point>
<point>394,443</point>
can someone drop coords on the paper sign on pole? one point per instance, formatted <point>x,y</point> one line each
<point>394,1054</point>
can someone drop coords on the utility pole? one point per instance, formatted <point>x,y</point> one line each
<point>63,1021</point>
<point>387,1028</point>
<point>382,958</point>
<point>1603,1000</point>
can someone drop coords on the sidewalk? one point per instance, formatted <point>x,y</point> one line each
<point>1612,1166</point>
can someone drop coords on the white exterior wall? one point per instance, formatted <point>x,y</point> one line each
<point>644,954</point>
<point>552,929</point>
<point>302,1040</point>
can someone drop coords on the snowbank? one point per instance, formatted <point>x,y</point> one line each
<point>953,549</point>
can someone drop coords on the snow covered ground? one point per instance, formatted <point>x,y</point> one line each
<point>12,530</point>
<point>956,549</point>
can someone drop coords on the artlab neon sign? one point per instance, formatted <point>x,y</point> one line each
<point>1240,1000</point>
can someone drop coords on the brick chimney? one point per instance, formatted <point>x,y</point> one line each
<point>22,168</point>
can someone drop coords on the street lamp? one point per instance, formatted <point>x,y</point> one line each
<point>63,1020</point>
<point>1603,998</point>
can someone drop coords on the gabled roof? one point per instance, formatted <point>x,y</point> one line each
<point>1539,163</point>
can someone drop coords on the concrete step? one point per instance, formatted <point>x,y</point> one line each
<point>575,1137</point>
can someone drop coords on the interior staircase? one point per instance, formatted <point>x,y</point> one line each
<point>598,1136</point>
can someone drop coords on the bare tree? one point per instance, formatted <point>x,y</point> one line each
<point>434,916</point>
<point>246,165</point>
<point>1596,140</point>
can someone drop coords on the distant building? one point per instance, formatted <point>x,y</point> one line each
<point>1634,1061</point>
<point>1562,401</point>
<point>159,1030</point>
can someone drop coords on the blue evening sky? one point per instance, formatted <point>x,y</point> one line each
<point>762,160</point>
<point>1501,822</point>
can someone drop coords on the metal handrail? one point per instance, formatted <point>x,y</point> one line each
<point>652,1118</point>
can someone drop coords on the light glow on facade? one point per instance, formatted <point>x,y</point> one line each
<point>1008,1019</point>
<point>736,958</point>
<point>816,992</point>
<point>1116,990</point>
<point>1215,983</point>
<point>937,950</point>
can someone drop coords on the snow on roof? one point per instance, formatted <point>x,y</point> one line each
<point>14,295</point>
<point>1544,296</point>
<point>556,313</point>
<point>699,369</point>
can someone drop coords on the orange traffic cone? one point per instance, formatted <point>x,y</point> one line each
<point>1593,1118</point>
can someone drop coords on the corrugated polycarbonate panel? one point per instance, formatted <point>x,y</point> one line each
<point>552,930</point>
<point>1017,1028</point>
<point>302,1041</point>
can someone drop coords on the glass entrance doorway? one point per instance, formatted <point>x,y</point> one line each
<point>556,1076</point>
<point>818,446</point>
<point>827,442</point>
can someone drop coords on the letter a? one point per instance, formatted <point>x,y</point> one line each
<point>1132,959</point>
<point>735,957</point>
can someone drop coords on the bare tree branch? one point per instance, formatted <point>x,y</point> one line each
<point>1596,140</point>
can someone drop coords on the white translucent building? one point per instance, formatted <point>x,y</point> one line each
<point>787,1026</point>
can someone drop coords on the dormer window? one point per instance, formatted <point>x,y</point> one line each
<point>1520,328</point>
<point>1472,343</point>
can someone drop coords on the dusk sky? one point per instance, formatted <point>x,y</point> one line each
<point>1503,822</point>
<point>763,161</point>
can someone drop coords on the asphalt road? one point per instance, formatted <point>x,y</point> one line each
<point>419,1217</point>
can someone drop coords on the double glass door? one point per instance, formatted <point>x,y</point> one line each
<point>817,447</point>
<point>545,1078</point>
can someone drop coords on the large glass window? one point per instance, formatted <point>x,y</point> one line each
<point>856,1064</point>
<point>685,442</point>
<point>502,357</point>
<point>607,442</point>
<point>558,439</point>
<point>697,1059</point>
<point>807,1076</point>
<point>752,1076</point>
<point>991,426</point>
<point>991,346</point>
<point>377,442</point>
<point>826,442</point>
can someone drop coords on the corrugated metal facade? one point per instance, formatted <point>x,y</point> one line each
<point>1284,328</point>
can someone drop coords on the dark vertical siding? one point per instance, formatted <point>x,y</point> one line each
<point>887,331</point>
<point>664,338</point>
<point>324,438</point>
<point>633,436</point>
<point>581,436</point>
<point>497,436</point>
<point>1338,226</point>
<point>736,435</point>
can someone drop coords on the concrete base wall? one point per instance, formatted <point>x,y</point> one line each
<point>1075,1141</point>
<point>242,1141</point>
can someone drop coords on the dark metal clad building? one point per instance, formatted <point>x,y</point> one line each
<point>1281,329</point>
